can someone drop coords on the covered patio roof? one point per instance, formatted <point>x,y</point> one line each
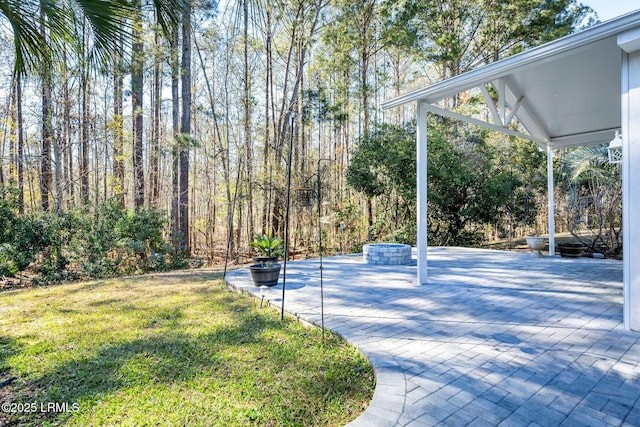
<point>574,91</point>
<point>564,93</point>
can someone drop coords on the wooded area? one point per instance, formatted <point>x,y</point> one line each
<point>138,134</point>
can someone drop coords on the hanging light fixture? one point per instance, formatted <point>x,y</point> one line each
<point>615,149</point>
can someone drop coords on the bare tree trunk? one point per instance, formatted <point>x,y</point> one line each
<point>365,57</point>
<point>268,188</point>
<point>67,149</point>
<point>96,157</point>
<point>154,160</point>
<point>185,129</point>
<point>84,140</point>
<point>20,159</point>
<point>8,120</point>
<point>59,193</point>
<point>118,130</point>
<point>226,150</point>
<point>45,152</point>
<point>66,139</point>
<point>248,150</point>
<point>13,134</point>
<point>105,151</point>
<point>137,86</point>
<point>24,153</point>
<point>175,122</point>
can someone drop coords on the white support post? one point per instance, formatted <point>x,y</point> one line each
<point>421,202</point>
<point>630,43</point>
<point>550,188</point>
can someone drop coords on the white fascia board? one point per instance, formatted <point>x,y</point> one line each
<point>630,41</point>
<point>504,67</point>
<point>583,139</point>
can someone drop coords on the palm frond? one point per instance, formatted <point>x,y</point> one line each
<point>109,22</point>
<point>28,41</point>
<point>587,160</point>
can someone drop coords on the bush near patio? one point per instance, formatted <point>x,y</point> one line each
<point>477,181</point>
<point>171,349</point>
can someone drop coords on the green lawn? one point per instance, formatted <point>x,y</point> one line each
<point>175,349</point>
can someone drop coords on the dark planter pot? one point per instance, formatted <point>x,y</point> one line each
<point>571,250</point>
<point>265,276</point>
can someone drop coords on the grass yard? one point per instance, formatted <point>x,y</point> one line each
<point>174,349</point>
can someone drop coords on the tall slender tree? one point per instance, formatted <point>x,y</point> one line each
<point>137,93</point>
<point>185,129</point>
<point>156,101</point>
<point>118,127</point>
<point>246,102</point>
<point>175,128</point>
<point>17,97</point>
<point>45,152</point>
<point>86,123</point>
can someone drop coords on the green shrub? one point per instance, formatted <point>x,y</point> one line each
<point>9,265</point>
<point>105,242</point>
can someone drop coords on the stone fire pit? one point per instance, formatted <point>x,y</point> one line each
<point>386,253</point>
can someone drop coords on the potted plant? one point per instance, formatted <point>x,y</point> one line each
<point>536,244</point>
<point>571,250</point>
<point>266,270</point>
<point>268,249</point>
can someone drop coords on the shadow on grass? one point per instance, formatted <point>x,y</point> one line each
<point>165,358</point>
<point>173,346</point>
<point>8,347</point>
<point>173,357</point>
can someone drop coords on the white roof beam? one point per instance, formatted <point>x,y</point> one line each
<point>514,111</point>
<point>447,113</point>
<point>492,108</point>
<point>499,116</point>
<point>501,105</point>
<point>500,87</point>
<point>525,116</point>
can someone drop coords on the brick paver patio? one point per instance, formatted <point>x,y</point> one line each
<point>494,338</point>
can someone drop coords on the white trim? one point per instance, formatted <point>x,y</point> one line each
<point>626,261</point>
<point>514,110</point>
<point>421,202</point>
<point>582,139</point>
<point>551,200</point>
<point>630,41</point>
<point>501,103</point>
<point>492,107</point>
